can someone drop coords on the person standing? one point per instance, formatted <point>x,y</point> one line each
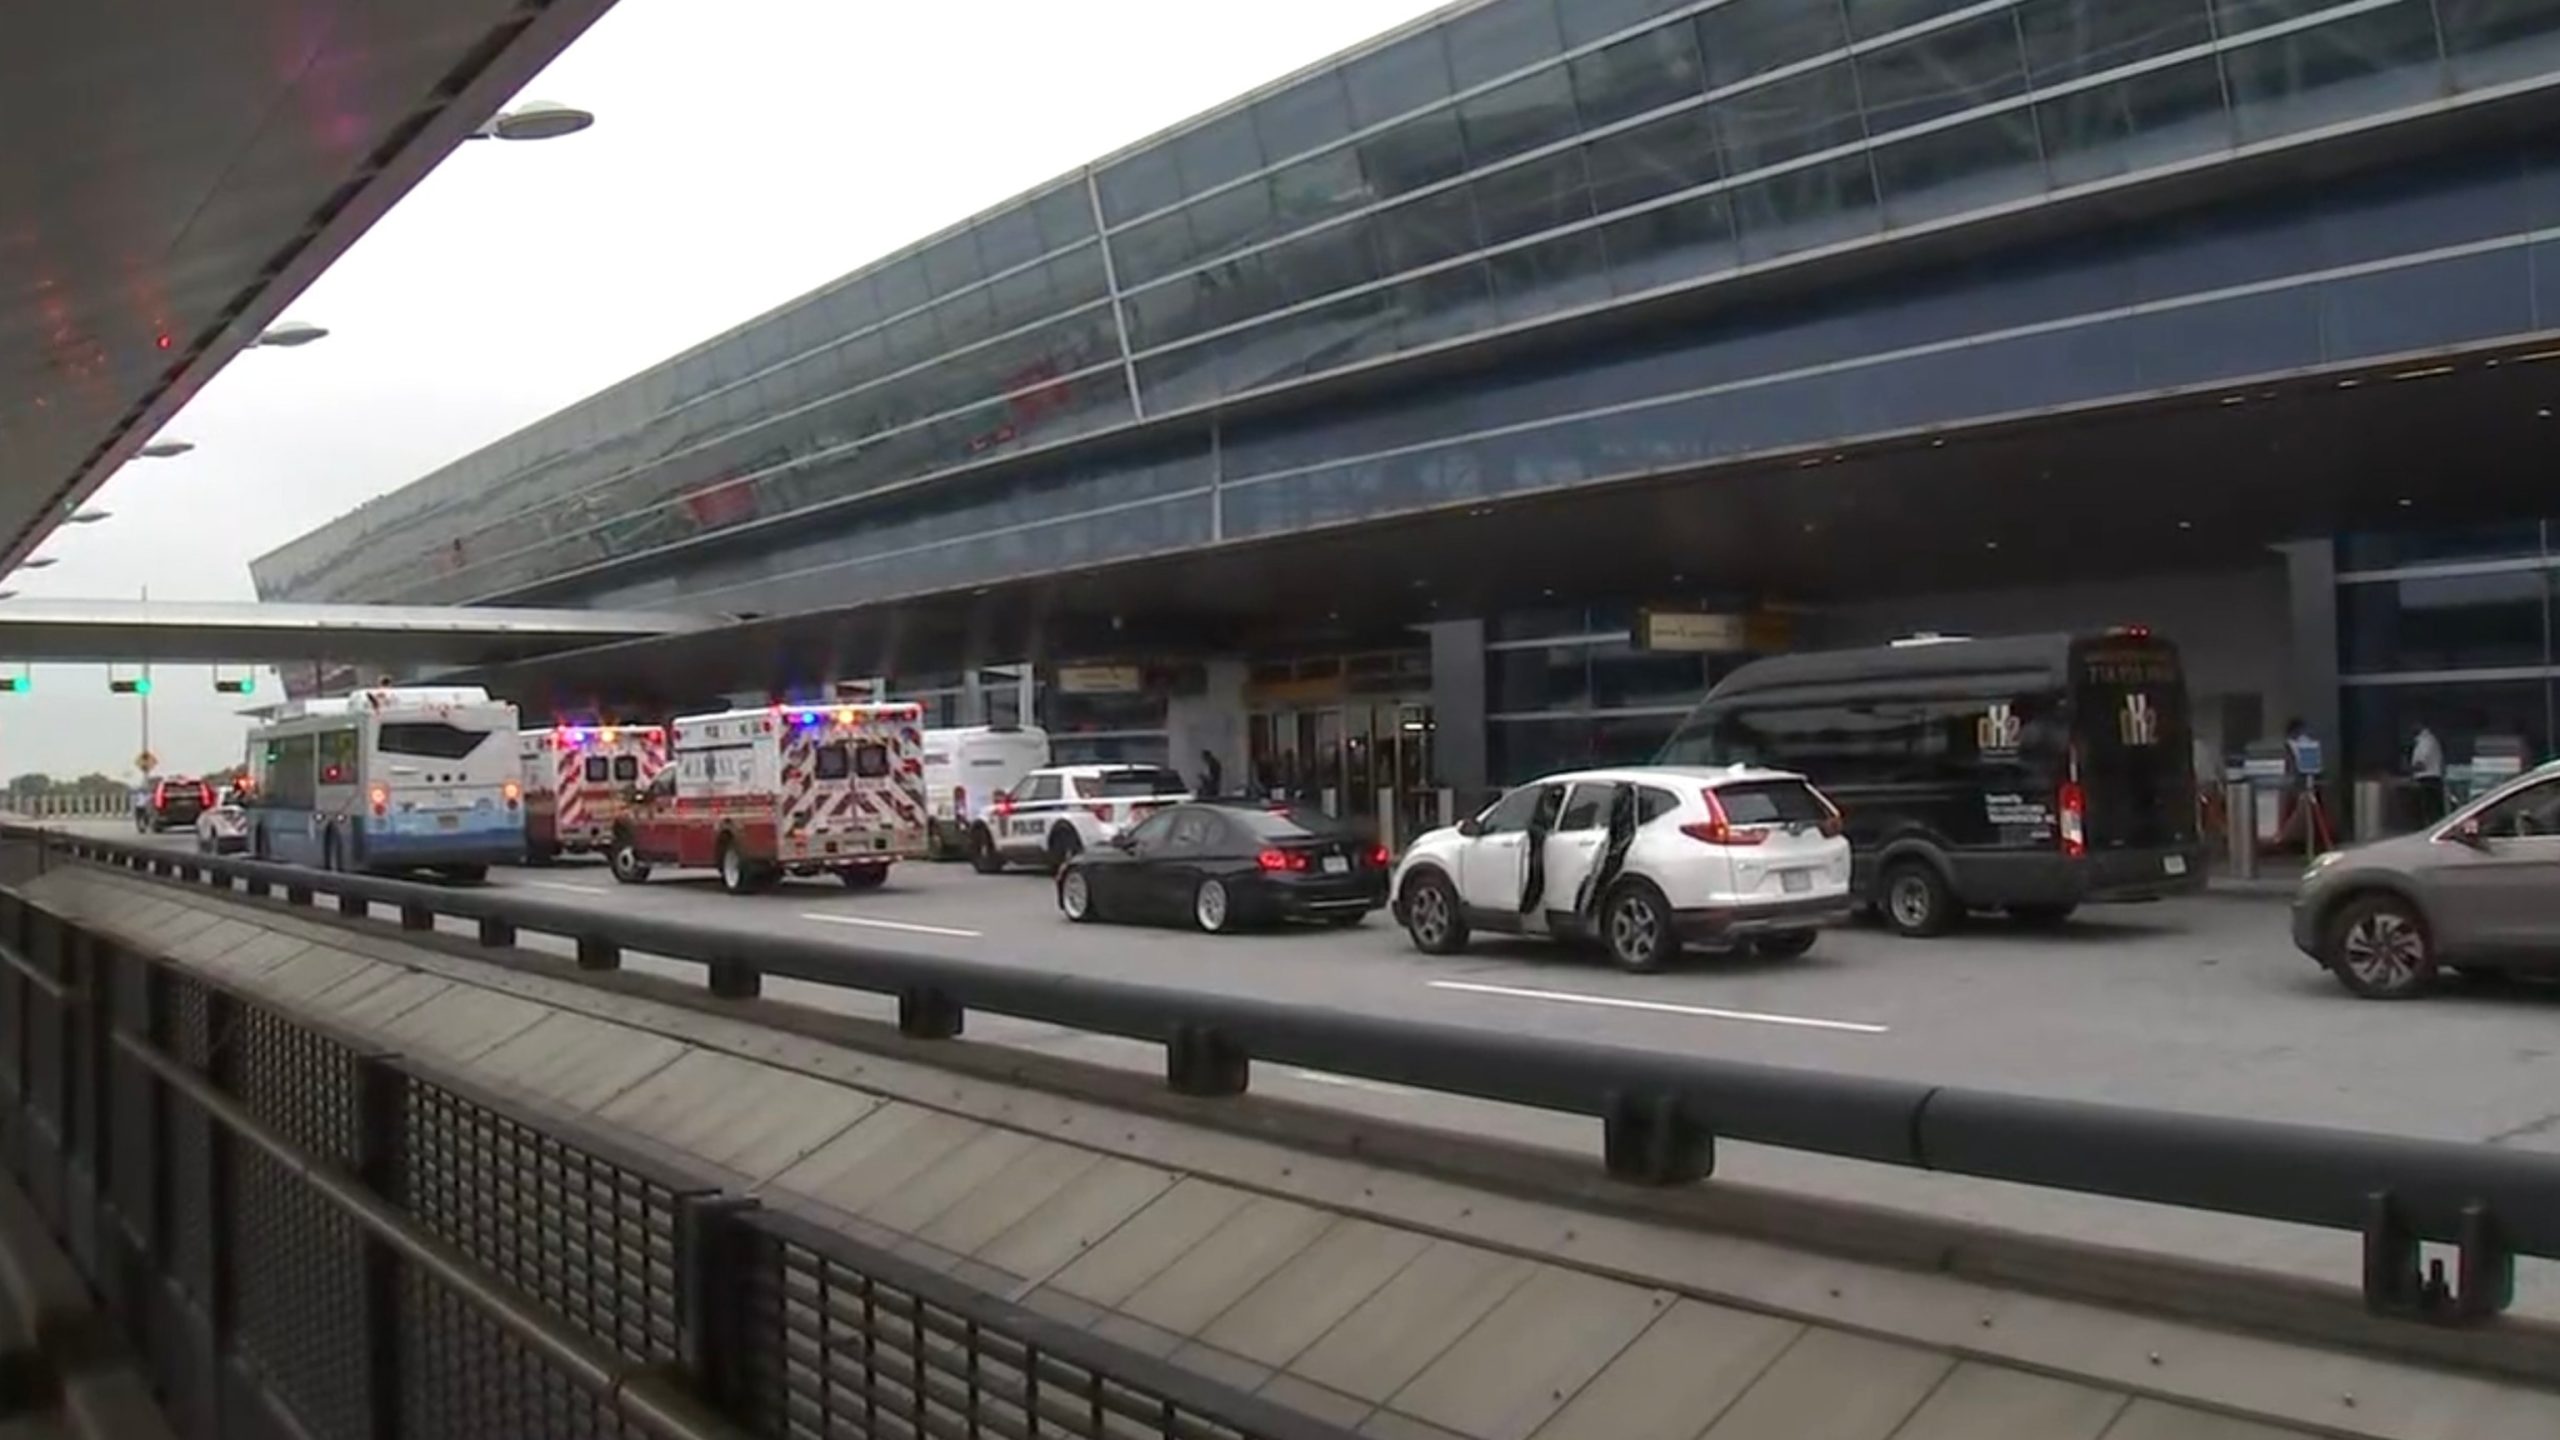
<point>2426,766</point>
<point>1213,776</point>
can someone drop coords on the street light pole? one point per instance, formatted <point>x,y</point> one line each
<point>144,755</point>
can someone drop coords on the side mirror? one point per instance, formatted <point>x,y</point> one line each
<point>1123,841</point>
<point>1470,827</point>
<point>2468,833</point>
<point>1000,799</point>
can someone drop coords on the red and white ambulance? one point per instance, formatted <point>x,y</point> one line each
<point>787,790</point>
<point>578,781</point>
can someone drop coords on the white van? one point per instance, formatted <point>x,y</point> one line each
<point>965,769</point>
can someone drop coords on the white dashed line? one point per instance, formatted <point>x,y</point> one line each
<point>565,887</point>
<point>899,925</point>
<point>1661,1007</point>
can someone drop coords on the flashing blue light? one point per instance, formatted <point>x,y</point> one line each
<point>577,737</point>
<point>808,717</point>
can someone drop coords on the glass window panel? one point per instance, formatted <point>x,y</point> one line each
<point>1549,276</point>
<point>1324,262</point>
<point>1140,185</point>
<point>1076,277</point>
<point>2134,124</point>
<point>2067,39</point>
<point>966,318</point>
<point>1065,215</point>
<point>1871,18</point>
<point>1317,188</point>
<point>1646,72</point>
<point>1589,20</point>
<point>2387,550</point>
<point>1624,677</point>
<point>1230,220</point>
<point>1433,228</point>
<point>1419,152</point>
<point>1529,199</point>
<point>1818,205</point>
<point>1677,152</point>
<point>1152,249</point>
<point>1442,306</point>
<point>1216,151</point>
<point>901,286</point>
<point>2230,17</point>
<point>2450,622</point>
<point>1748,37</point>
<point>1967,167</point>
<point>1315,111</point>
<point>1551,677</point>
<point>1491,41</point>
<point>1009,238</point>
<point>1942,72</point>
<point>1523,115</point>
<point>1671,244</point>
<point>2365,63</point>
<point>1776,123</point>
<point>2382,720</point>
<point>1398,78</point>
<point>952,264</point>
<point>2492,41</point>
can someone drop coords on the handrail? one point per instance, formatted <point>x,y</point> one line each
<point>1661,1112</point>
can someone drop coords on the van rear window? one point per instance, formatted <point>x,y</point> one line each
<point>1771,802</point>
<point>433,740</point>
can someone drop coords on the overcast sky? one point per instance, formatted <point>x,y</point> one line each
<point>745,152</point>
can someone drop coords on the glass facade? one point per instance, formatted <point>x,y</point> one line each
<point>1505,164</point>
<point>1566,687</point>
<point>2458,630</point>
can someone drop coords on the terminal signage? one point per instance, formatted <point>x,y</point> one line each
<point>1692,632</point>
<point>1101,679</point>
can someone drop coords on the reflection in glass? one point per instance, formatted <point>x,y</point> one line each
<point>1531,111</point>
<point>2066,39</point>
<point>1661,157</point>
<point>1748,37</point>
<point>2134,124</point>
<point>2390,549</point>
<point>1801,209</point>
<point>1969,167</point>
<point>1398,78</point>
<point>1814,111</point>
<point>2382,720</point>
<point>1532,198</point>
<point>1939,73</point>
<point>2450,622</point>
<point>2490,42</point>
<point>1647,72</point>
<point>1493,40</point>
<point>2358,65</point>
<point>1671,244</point>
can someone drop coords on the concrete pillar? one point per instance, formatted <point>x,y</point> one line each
<point>1214,721</point>
<point>2311,586</point>
<point>1457,709</point>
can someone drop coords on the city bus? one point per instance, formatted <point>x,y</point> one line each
<point>2028,774</point>
<point>388,780</point>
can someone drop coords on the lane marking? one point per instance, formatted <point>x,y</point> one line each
<point>1661,1007</point>
<point>1354,1082</point>
<point>900,925</point>
<point>565,887</point>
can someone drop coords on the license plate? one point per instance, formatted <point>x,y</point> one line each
<point>1795,881</point>
<point>448,822</point>
<point>2174,864</point>
<point>1336,865</point>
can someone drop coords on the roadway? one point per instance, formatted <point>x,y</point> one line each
<point>2199,1004</point>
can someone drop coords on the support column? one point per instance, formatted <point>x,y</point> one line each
<point>2311,591</point>
<point>1457,710</point>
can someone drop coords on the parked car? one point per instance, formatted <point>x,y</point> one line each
<point>2478,891</point>
<point>1642,861</point>
<point>223,829</point>
<point>172,803</point>
<point>1061,811</point>
<point>1224,867</point>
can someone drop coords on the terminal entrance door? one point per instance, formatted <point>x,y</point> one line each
<point>1365,761</point>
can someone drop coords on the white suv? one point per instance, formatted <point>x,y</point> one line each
<point>1059,811</point>
<point>1642,860</point>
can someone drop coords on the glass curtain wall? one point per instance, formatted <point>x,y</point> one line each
<point>2457,630</point>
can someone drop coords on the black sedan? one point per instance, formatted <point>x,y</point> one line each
<point>1224,867</point>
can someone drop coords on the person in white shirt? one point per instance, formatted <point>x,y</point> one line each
<point>2426,766</point>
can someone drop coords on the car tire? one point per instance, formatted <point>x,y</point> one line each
<point>864,877</point>
<point>737,873</point>
<point>1075,896</point>
<point>1915,901</point>
<point>1213,907</point>
<point>1432,919</point>
<point>1785,944</point>
<point>1635,927</point>
<point>984,857</point>
<point>624,861</point>
<point>2379,948</point>
<point>1064,845</point>
<point>2042,917</point>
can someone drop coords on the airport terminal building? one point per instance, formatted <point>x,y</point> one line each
<point>1464,406</point>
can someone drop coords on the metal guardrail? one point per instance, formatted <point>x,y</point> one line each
<point>309,1238</point>
<point>70,804</point>
<point>1661,1114</point>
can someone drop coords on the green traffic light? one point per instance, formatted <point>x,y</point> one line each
<point>142,686</point>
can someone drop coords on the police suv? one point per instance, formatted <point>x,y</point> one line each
<point>1060,811</point>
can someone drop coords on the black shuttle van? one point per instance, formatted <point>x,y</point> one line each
<point>2029,774</point>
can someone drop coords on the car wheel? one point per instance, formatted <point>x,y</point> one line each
<point>1075,896</point>
<point>864,877</point>
<point>2042,917</point>
<point>1212,909</point>
<point>1636,926</point>
<point>737,877</point>
<point>2378,948</point>
<point>1431,915</point>
<point>1916,900</point>
<point>1784,945</point>
<point>625,862</point>
<point>984,857</point>
<point>1064,845</point>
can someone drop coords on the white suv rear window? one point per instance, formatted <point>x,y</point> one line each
<point>1771,802</point>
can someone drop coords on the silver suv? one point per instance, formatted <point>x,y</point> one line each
<point>2476,892</point>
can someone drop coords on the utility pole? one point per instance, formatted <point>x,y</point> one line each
<point>146,703</point>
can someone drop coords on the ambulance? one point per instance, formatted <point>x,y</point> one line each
<point>755,795</point>
<point>578,781</point>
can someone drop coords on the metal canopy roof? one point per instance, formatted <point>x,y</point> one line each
<point>103,631</point>
<point>176,171</point>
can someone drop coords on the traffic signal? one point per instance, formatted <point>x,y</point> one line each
<point>245,685</point>
<point>15,685</point>
<point>139,686</point>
